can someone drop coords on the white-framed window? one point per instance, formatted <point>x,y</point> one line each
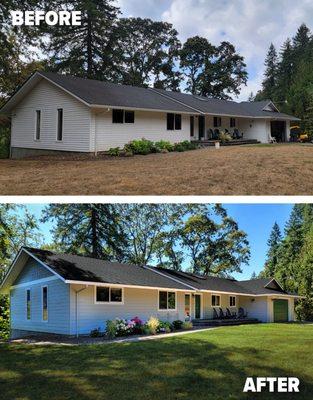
<point>28,304</point>
<point>120,116</point>
<point>173,122</point>
<point>216,300</point>
<point>109,295</point>
<point>44,295</point>
<point>232,301</point>
<point>37,125</point>
<point>232,122</point>
<point>60,125</point>
<point>167,301</point>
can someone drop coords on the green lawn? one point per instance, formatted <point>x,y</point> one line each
<point>205,365</point>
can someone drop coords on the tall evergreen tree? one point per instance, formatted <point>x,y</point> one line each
<point>83,50</point>
<point>274,243</point>
<point>270,76</point>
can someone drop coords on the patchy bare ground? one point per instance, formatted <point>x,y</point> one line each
<point>245,170</point>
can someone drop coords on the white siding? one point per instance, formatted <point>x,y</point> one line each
<point>258,129</point>
<point>257,307</point>
<point>148,125</point>
<point>48,98</point>
<point>137,302</point>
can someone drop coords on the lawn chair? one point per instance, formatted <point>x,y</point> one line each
<point>271,139</point>
<point>221,314</point>
<point>210,134</point>
<point>237,134</point>
<point>216,134</point>
<point>241,313</point>
<point>215,314</point>
<point>229,314</point>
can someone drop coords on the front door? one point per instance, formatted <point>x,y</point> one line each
<point>187,306</point>
<point>197,306</point>
<point>201,127</point>
<point>280,310</point>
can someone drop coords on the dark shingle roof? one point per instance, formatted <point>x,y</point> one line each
<point>87,269</point>
<point>102,93</point>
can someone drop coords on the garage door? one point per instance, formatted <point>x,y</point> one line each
<point>280,310</point>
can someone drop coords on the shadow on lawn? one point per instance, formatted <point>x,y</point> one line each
<point>166,369</point>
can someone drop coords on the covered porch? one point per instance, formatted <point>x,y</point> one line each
<point>207,129</point>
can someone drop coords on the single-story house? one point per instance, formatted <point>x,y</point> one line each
<point>52,113</point>
<point>71,295</point>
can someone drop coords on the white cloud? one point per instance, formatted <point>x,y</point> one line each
<point>251,25</point>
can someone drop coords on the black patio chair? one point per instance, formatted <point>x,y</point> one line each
<point>221,314</point>
<point>215,314</point>
<point>210,134</point>
<point>241,313</point>
<point>216,134</point>
<point>237,134</point>
<point>229,314</point>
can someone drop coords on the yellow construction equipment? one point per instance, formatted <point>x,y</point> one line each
<point>297,133</point>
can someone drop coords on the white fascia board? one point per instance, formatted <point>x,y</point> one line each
<point>35,282</point>
<point>100,106</point>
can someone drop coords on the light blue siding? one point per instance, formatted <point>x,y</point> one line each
<point>31,272</point>
<point>58,301</point>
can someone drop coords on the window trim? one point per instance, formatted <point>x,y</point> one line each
<point>42,319</point>
<point>57,130</point>
<point>215,305</point>
<point>36,125</point>
<point>218,125</point>
<point>167,309</point>
<point>123,116</point>
<point>30,307</point>
<point>234,297</point>
<point>129,111</point>
<point>108,302</point>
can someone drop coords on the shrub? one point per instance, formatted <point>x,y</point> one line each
<point>187,325</point>
<point>224,137</point>
<point>4,318</point>
<point>111,329</point>
<point>153,324</point>
<point>179,147</point>
<point>138,325</point>
<point>163,145</point>
<point>4,139</point>
<point>177,325</point>
<point>114,151</point>
<point>141,146</point>
<point>164,327</point>
<point>304,310</point>
<point>95,333</point>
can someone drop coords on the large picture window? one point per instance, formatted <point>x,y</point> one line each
<point>123,116</point>
<point>167,300</point>
<point>109,295</point>
<point>174,122</point>
<point>45,303</point>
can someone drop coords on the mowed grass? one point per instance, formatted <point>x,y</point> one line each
<point>239,170</point>
<point>207,365</point>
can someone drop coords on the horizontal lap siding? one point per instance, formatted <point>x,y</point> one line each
<point>258,129</point>
<point>31,272</point>
<point>48,98</point>
<point>208,308</point>
<point>257,307</point>
<point>58,308</point>
<point>148,125</point>
<point>137,302</point>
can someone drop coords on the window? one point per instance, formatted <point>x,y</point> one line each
<point>170,122</point>
<point>45,303</point>
<point>232,301</point>
<point>217,122</point>
<point>38,125</point>
<point>173,122</point>
<point>121,116</point>
<point>109,295</point>
<point>60,125</point>
<point>177,122</point>
<point>167,301</point>
<point>216,300</point>
<point>232,123</point>
<point>192,126</point>
<point>187,305</point>
<point>129,117</point>
<point>28,304</point>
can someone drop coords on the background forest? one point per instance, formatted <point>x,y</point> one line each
<point>143,52</point>
<point>202,239</point>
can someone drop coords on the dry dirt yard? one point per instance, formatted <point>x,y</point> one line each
<point>239,170</point>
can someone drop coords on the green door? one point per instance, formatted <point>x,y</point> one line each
<point>197,306</point>
<point>280,310</point>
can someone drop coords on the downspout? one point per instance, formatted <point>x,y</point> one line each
<point>76,307</point>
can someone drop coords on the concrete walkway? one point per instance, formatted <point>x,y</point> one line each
<point>61,341</point>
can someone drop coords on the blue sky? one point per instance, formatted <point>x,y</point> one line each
<point>251,25</point>
<point>255,219</point>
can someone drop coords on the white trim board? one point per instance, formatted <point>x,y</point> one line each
<point>35,282</point>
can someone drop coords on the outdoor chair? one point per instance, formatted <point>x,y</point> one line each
<point>237,134</point>
<point>216,134</point>
<point>221,314</point>
<point>229,314</point>
<point>210,134</point>
<point>215,314</point>
<point>241,313</point>
<point>271,139</point>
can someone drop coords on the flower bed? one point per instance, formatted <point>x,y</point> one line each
<point>135,326</point>
<point>144,147</point>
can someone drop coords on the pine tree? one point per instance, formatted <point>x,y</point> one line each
<point>270,76</point>
<point>302,38</point>
<point>273,243</point>
<point>251,97</point>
